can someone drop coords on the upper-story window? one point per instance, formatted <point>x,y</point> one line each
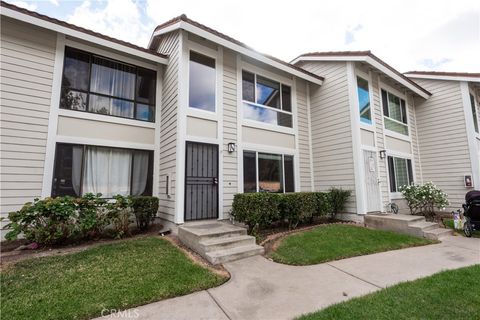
<point>266,100</point>
<point>474,113</point>
<point>100,85</point>
<point>394,113</point>
<point>202,82</point>
<point>364,101</point>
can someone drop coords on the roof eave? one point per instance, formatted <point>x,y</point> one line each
<point>81,35</point>
<point>442,77</point>
<point>184,25</point>
<point>374,63</point>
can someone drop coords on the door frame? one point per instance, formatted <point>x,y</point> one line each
<point>185,180</point>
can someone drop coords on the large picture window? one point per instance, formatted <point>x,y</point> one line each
<point>81,169</point>
<point>364,101</point>
<point>400,173</point>
<point>394,113</point>
<point>96,84</point>
<point>265,100</point>
<point>266,172</point>
<point>202,82</point>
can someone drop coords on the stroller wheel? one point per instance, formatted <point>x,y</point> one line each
<point>467,229</point>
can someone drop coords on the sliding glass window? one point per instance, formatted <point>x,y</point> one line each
<point>394,113</point>
<point>101,85</point>
<point>81,169</point>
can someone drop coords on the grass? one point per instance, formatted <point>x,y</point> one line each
<point>338,241</point>
<point>446,295</point>
<point>115,276</point>
<point>449,224</point>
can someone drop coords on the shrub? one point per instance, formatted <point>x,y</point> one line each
<point>424,199</point>
<point>47,221</point>
<point>256,210</point>
<point>298,207</point>
<point>338,198</point>
<point>145,209</point>
<point>92,214</point>
<point>119,214</point>
<point>324,206</point>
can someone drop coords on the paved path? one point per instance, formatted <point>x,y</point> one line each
<point>262,289</point>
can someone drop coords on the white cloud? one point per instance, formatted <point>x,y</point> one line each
<point>26,5</point>
<point>54,2</point>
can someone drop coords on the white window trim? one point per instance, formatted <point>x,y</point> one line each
<point>196,112</point>
<point>400,95</point>
<point>368,78</point>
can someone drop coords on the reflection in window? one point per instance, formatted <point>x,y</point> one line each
<point>258,113</point>
<point>394,112</point>
<point>400,173</point>
<point>265,172</point>
<point>268,92</point>
<point>95,84</point>
<point>202,82</point>
<point>474,113</point>
<point>364,100</point>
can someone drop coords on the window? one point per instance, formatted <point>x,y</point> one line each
<point>364,101</point>
<point>265,100</point>
<point>202,82</point>
<point>474,113</point>
<point>100,85</point>
<point>394,113</point>
<point>81,169</point>
<point>265,172</point>
<point>400,173</point>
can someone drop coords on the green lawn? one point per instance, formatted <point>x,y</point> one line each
<point>338,241</point>
<point>114,276</point>
<point>446,295</point>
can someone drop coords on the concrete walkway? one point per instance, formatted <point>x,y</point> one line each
<point>262,289</point>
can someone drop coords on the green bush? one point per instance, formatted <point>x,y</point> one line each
<point>424,199</point>
<point>92,214</point>
<point>338,198</point>
<point>298,207</point>
<point>145,209</point>
<point>119,214</point>
<point>324,206</point>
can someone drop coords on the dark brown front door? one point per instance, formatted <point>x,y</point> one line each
<point>201,181</point>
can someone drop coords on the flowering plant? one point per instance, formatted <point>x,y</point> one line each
<point>424,199</point>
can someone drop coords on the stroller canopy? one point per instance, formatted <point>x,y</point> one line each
<point>472,195</point>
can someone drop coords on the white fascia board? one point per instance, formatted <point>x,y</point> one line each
<point>329,58</point>
<point>235,47</point>
<point>442,77</point>
<point>81,35</point>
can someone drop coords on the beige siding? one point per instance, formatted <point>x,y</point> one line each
<point>303,137</point>
<point>27,60</point>
<point>331,131</point>
<point>442,138</point>
<point>230,162</point>
<point>169,45</point>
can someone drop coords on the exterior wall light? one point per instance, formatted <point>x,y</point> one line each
<point>231,147</point>
<point>383,154</point>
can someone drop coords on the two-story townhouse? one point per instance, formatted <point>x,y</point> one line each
<point>448,131</point>
<point>364,128</point>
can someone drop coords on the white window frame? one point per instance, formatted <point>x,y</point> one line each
<point>400,95</point>
<point>368,78</point>
<point>273,77</point>
<point>397,194</point>
<point>213,54</point>
<point>283,154</point>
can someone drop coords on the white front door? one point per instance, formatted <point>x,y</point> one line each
<point>372,186</point>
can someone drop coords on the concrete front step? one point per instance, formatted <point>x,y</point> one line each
<point>407,224</point>
<point>236,253</point>
<point>221,243</point>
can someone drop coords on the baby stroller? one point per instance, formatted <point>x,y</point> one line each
<point>471,212</point>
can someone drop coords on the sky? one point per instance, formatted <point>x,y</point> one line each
<point>410,35</point>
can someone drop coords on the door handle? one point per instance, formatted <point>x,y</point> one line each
<point>215,181</point>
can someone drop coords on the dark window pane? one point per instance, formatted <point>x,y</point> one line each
<point>474,113</point>
<point>249,172</point>
<point>385,103</point>
<point>284,119</point>
<point>146,82</point>
<point>364,100</point>
<point>68,170</point>
<point>404,111</point>
<point>391,175</point>
<point>270,173</point>
<point>112,78</point>
<point>202,82</point>
<point>145,113</point>
<point>248,86</point>
<point>268,92</point>
<point>73,100</point>
<point>110,106</point>
<point>410,172</point>
<point>286,98</point>
<point>289,175</point>
<point>76,69</point>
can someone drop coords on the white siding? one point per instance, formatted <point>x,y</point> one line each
<point>230,130</point>
<point>331,132</point>
<point>169,45</point>
<point>303,137</point>
<point>442,139</point>
<point>27,60</point>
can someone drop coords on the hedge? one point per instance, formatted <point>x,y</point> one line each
<point>262,210</point>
